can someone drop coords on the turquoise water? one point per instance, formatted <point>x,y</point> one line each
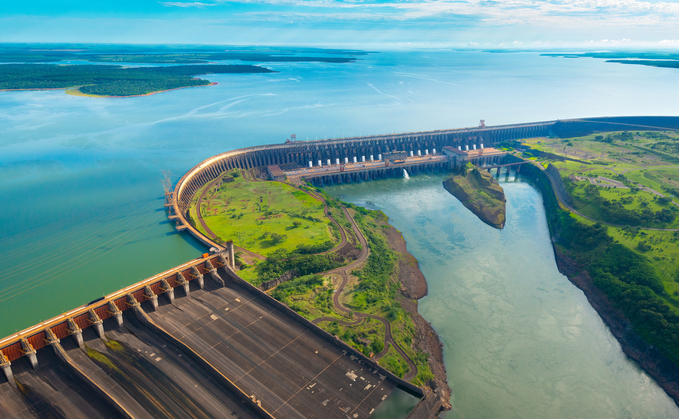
<point>520,341</point>
<point>81,196</point>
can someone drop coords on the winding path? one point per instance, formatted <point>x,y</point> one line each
<point>344,273</point>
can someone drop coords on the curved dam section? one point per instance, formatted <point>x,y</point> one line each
<point>300,154</point>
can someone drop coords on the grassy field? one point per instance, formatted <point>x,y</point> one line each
<point>639,160</point>
<point>263,217</point>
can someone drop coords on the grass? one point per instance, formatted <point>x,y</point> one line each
<point>264,217</point>
<point>394,363</point>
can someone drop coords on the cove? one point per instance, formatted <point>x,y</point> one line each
<point>520,340</point>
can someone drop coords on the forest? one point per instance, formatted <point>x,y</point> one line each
<point>112,80</point>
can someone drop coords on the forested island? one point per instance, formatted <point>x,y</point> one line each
<point>480,193</point>
<point>46,53</point>
<point>112,80</point>
<point>652,59</point>
<point>341,266</point>
<point>612,212</point>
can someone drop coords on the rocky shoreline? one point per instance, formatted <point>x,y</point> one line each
<point>414,287</point>
<point>654,363</point>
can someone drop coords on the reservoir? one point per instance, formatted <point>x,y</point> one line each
<point>520,341</point>
<point>82,206</point>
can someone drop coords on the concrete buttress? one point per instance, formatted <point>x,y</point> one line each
<point>115,312</point>
<point>6,367</point>
<point>183,282</point>
<point>213,273</point>
<point>199,277</point>
<point>97,323</point>
<point>153,298</point>
<point>28,351</point>
<point>168,290</point>
<point>75,331</point>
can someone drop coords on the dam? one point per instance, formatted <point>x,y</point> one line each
<point>198,341</point>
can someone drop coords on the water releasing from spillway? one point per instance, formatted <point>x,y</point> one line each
<point>405,174</point>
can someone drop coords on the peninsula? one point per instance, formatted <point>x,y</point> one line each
<point>480,193</point>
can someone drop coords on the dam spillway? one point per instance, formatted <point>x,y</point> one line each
<point>210,345</point>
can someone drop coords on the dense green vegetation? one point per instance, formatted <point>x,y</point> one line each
<point>110,80</point>
<point>169,55</point>
<point>280,262</point>
<point>628,278</point>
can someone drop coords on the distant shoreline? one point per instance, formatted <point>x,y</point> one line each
<point>74,91</point>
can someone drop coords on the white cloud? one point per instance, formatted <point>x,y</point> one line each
<point>186,4</point>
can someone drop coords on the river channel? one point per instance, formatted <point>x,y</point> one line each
<point>520,341</point>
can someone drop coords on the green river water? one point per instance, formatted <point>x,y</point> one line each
<point>520,341</point>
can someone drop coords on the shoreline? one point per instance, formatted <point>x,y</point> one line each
<point>413,288</point>
<point>644,355</point>
<point>74,91</point>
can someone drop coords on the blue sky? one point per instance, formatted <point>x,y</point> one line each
<point>355,23</point>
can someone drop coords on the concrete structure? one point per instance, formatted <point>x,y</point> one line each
<point>228,350</point>
<point>326,152</point>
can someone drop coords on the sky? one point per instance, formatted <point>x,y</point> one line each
<point>365,23</point>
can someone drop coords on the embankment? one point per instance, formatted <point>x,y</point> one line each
<point>414,287</point>
<point>650,359</point>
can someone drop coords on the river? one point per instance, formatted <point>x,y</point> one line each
<point>520,341</point>
<point>82,211</point>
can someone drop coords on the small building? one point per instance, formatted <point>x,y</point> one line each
<point>276,173</point>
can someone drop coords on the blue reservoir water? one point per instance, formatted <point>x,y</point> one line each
<point>81,196</point>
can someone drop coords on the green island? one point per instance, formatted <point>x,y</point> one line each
<point>38,53</point>
<point>341,266</point>
<point>480,193</point>
<point>112,80</point>
<point>612,207</point>
<point>652,59</point>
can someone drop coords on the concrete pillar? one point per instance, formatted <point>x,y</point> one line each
<point>419,152</point>
<point>214,274</point>
<point>232,254</point>
<point>411,153</point>
<point>75,331</point>
<point>379,157</point>
<point>459,148</point>
<point>199,277</point>
<point>466,147</point>
<point>152,297</point>
<point>371,157</point>
<point>474,146</point>
<point>434,150</point>
<point>346,160</point>
<point>362,158</point>
<point>6,367</point>
<point>319,163</point>
<point>168,290</point>
<point>97,323</point>
<point>481,146</point>
<point>328,162</point>
<point>354,159</point>
<point>311,164</point>
<point>132,301</point>
<point>426,152</point>
<point>337,160</point>
<point>115,311</point>
<point>183,282</point>
<point>29,352</point>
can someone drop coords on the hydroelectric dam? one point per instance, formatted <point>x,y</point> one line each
<point>198,341</point>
